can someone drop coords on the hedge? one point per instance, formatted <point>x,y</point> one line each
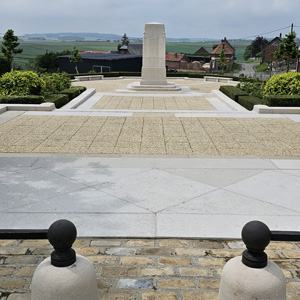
<point>282,100</point>
<point>80,88</point>
<point>71,93</point>
<point>232,92</point>
<point>28,99</point>
<point>108,74</point>
<point>249,101</point>
<point>59,100</point>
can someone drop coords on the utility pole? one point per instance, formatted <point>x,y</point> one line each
<point>292,27</point>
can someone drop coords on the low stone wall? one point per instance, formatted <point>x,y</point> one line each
<point>144,269</point>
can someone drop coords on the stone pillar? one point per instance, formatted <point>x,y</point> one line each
<point>154,55</point>
<point>252,276</point>
<point>66,276</point>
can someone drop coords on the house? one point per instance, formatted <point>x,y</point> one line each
<point>201,55</point>
<point>174,61</point>
<point>136,49</point>
<point>229,52</point>
<point>270,48</point>
<point>101,62</point>
<point>202,51</point>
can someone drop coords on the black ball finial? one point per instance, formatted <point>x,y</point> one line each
<point>61,235</point>
<point>256,235</point>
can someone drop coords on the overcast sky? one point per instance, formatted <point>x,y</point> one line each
<point>188,18</point>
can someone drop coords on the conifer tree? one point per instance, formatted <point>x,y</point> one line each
<point>10,46</point>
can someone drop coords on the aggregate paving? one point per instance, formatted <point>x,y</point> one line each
<point>191,158</point>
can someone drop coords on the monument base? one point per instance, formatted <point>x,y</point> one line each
<point>169,86</point>
<point>155,76</point>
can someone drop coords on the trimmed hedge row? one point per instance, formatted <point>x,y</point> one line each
<point>59,100</point>
<point>249,101</point>
<point>71,93</point>
<point>282,100</point>
<point>28,99</point>
<point>232,92</point>
<point>240,96</point>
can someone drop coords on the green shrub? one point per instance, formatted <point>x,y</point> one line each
<point>282,100</point>
<point>285,84</point>
<point>252,88</point>
<point>71,93</point>
<point>262,68</point>
<point>249,101</point>
<point>58,99</point>
<point>56,82</point>
<point>21,83</point>
<point>232,92</point>
<point>26,99</point>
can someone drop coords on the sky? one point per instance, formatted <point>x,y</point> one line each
<point>183,19</point>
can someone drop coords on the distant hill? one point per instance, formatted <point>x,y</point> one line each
<point>88,36</point>
<point>74,35</point>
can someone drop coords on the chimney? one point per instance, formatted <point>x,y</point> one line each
<point>280,35</point>
<point>175,55</point>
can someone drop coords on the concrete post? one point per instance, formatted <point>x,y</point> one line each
<point>66,276</point>
<point>252,276</point>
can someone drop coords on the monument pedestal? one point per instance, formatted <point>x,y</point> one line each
<point>169,86</point>
<point>154,76</point>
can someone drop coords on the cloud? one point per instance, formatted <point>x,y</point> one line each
<point>189,18</point>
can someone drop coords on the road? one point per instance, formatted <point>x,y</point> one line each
<point>247,69</point>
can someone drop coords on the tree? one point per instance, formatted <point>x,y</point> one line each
<point>75,58</point>
<point>223,60</point>
<point>255,48</point>
<point>247,53</point>
<point>10,46</point>
<point>46,63</point>
<point>125,41</point>
<point>4,66</point>
<point>287,50</point>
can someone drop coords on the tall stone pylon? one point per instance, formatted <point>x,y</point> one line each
<point>154,55</point>
<point>154,75</point>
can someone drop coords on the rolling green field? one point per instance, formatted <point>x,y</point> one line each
<point>32,48</point>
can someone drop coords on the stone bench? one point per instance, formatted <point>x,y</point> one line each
<point>217,79</point>
<point>88,77</point>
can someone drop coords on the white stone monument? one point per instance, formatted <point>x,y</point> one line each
<point>154,60</point>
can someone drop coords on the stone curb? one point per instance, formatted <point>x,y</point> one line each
<point>79,100</point>
<point>47,106</point>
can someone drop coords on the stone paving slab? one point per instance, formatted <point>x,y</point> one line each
<point>150,135</point>
<point>144,269</point>
<point>153,103</point>
<point>149,197</point>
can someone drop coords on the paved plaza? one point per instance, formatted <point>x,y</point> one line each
<point>159,186</point>
<point>191,163</point>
